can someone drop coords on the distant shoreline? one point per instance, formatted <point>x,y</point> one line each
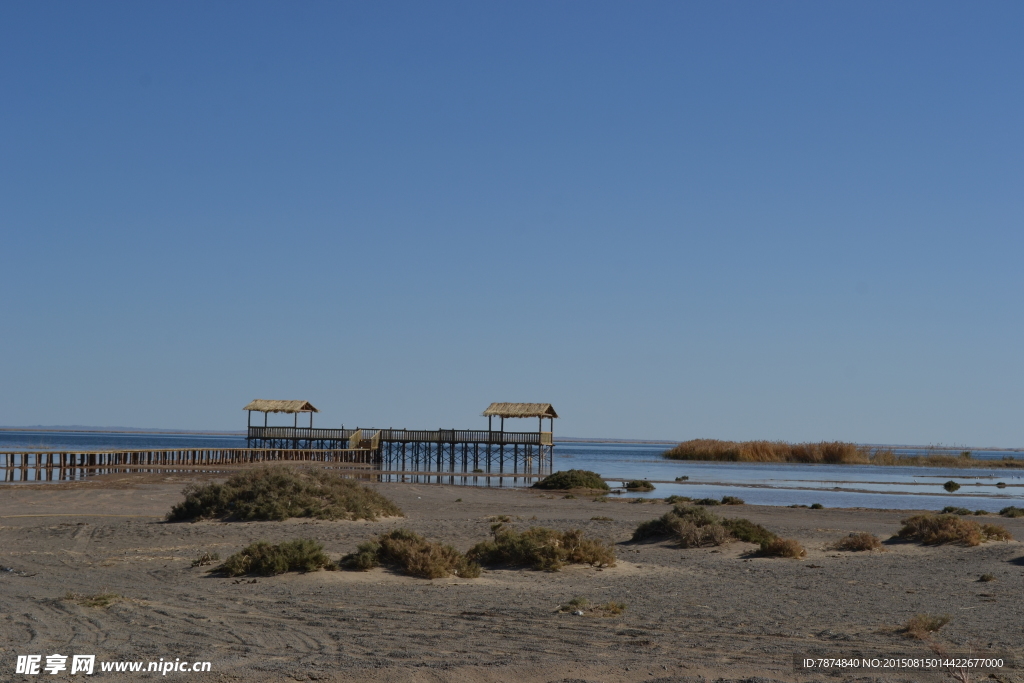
<point>564,439</point>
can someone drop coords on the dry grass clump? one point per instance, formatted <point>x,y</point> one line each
<point>264,559</point>
<point>205,559</point>
<point>97,600</point>
<point>782,547</point>
<point>859,541</point>
<point>943,529</point>
<point>540,548</point>
<point>695,527</point>
<point>921,626</point>
<point>1012,511</point>
<point>411,553</point>
<point>572,479</point>
<point>280,492</point>
<point>582,606</point>
<point>830,452</point>
<point>638,485</point>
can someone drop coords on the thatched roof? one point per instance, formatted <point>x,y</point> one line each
<point>520,410</point>
<point>265,406</point>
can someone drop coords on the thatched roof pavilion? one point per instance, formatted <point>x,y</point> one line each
<point>520,410</point>
<point>264,406</point>
<point>537,410</point>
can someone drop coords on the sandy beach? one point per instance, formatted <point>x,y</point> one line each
<point>705,614</point>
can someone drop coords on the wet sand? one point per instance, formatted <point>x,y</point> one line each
<point>692,615</point>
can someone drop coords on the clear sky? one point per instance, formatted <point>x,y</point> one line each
<point>731,220</point>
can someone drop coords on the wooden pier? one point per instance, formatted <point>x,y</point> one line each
<point>65,465</point>
<point>442,455</point>
<point>434,452</point>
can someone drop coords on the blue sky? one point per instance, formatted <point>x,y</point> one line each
<point>793,221</point>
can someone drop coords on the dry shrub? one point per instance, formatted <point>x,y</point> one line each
<point>97,600</point>
<point>994,532</point>
<point>581,604</point>
<point>411,553</point>
<point>540,548</point>
<point>280,492</point>
<point>696,527</point>
<point>921,626</point>
<point>746,531</point>
<point>859,541</point>
<point>1012,511</point>
<point>678,499</point>
<point>264,559</point>
<point>572,479</point>
<point>782,547</point>
<point>732,500</point>
<point>205,559</point>
<point>943,529</point>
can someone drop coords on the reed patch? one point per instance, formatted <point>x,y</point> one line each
<point>828,452</point>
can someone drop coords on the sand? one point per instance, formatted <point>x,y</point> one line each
<point>693,615</point>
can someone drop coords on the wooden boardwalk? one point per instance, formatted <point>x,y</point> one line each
<point>14,465</point>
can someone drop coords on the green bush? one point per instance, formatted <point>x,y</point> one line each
<point>951,486</point>
<point>264,559</point>
<point>954,510</point>
<point>817,506</point>
<point>732,500</point>
<point>638,485</point>
<point>694,527</point>
<point>745,530</point>
<point>1012,511</point>
<point>409,552</point>
<point>540,548</point>
<point>572,479</point>
<point>678,499</point>
<point>280,492</point>
<point>707,501</point>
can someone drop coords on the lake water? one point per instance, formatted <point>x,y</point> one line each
<point>757,483</point>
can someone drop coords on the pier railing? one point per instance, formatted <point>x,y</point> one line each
<point>179,457</point>
<point>402,435</point>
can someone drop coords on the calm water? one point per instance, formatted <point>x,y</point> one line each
<point>756,483</point>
